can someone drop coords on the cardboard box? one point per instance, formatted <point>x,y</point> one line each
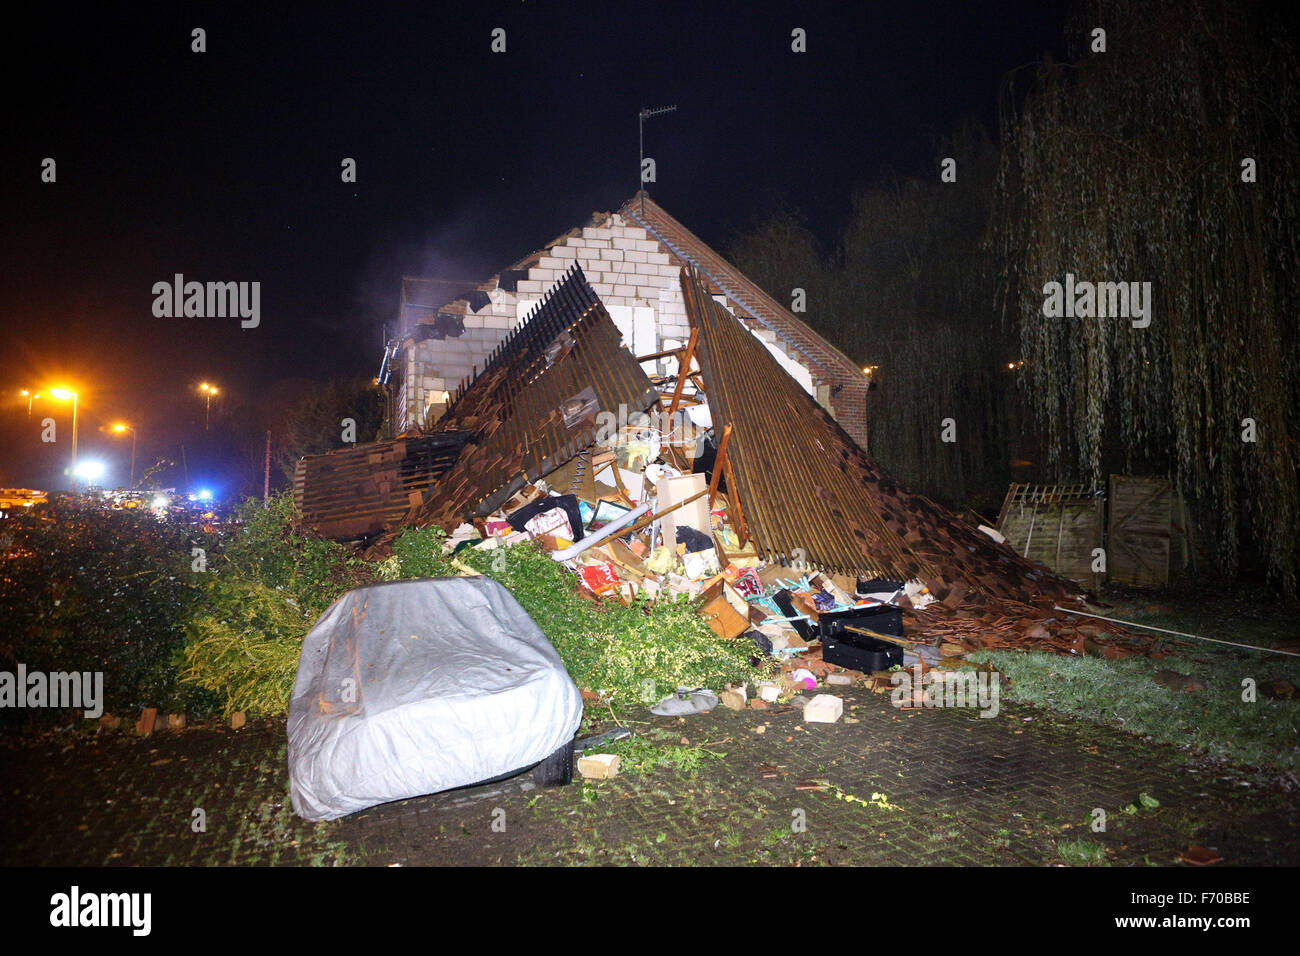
<point>725,610</point>
<point>696,514</point>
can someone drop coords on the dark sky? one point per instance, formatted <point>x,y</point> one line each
<point>225,166</point>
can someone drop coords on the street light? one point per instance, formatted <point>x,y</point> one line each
<point>31,397</point>
<point>63,394</point>
<point>209,391</point>
<point>121,427</point>
<point>92,471</point>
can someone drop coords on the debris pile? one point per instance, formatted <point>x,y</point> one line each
<point>715,475</point>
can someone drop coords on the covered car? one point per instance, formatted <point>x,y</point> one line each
<point>415,687</point>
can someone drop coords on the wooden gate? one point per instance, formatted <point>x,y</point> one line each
<point>1141,510</point>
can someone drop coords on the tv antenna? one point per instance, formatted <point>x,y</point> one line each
<point>644,115</point>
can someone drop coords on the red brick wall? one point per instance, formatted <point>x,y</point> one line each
<point>850,406</point>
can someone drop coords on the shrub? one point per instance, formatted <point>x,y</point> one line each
<point>630,653</point>
<point>85,588</point>
<point>418,554</point>
<point>267,584</point>
<point>244,647</point>
<point>269,545</point>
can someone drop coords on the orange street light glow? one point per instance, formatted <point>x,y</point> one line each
<point>63,393</point>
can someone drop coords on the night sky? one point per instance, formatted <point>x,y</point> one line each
<point>225,166</point>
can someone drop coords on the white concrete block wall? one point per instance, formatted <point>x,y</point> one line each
<point>635,279</point>
<point>625,323</point>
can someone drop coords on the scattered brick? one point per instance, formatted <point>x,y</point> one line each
<point>147,719</point>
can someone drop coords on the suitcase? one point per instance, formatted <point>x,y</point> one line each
<point>860,652</point>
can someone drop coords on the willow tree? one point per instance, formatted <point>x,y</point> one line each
<point>1169,158</point>
<point>907,288</point>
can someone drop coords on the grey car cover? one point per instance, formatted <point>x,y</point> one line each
<point>415,687</point>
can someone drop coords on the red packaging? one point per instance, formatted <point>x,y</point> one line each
<point>600,577</point>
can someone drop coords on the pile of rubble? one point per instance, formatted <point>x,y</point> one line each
<point>722,480</point>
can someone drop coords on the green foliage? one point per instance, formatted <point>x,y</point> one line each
<point>84,588</point>
<point>98,589</point>
<point>638,653</point>
<point>1128,167</point>
<point>244,646</point>
<point>419,553</point>
<point>644,752</point>
<point>264,590</point>
<point>1144,802</point>
<point>269,545</point>
<point>879,800</point>
<point>1081,852</point>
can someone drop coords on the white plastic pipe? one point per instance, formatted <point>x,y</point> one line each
<point>573,550</point>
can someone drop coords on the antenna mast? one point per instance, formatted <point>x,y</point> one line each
<point>644,115</point>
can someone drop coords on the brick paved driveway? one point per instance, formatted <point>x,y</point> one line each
<point>954,789</point>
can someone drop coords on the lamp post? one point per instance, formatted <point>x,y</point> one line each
<point>65,394</point>
<point>121,427</point>
<point>31,397</point>
<point>208,391</point>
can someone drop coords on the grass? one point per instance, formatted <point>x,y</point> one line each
<point>1216,721</point>
<point>1081,852</point>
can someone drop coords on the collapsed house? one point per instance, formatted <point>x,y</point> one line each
<point>632,259</point>
<point>717,456</point>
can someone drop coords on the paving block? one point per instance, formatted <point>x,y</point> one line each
<point>598,766</point>
<point>823,709</point>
